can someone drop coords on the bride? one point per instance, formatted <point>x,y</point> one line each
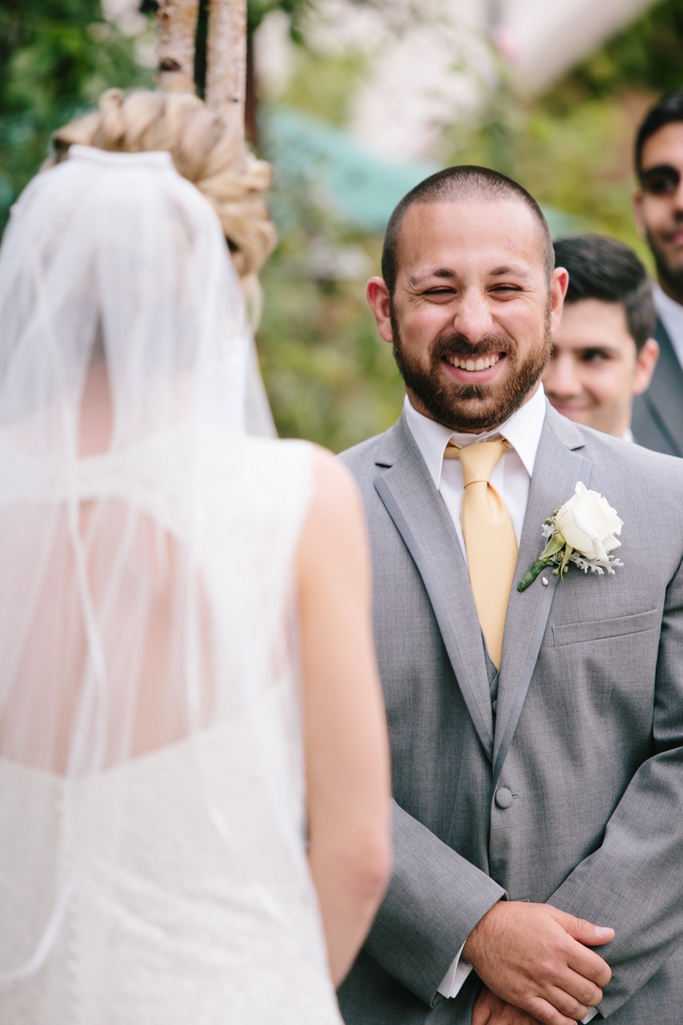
<point>193,760</point>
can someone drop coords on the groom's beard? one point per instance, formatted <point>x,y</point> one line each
<point>472,408</point>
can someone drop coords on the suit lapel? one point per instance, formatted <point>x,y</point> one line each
<point>663,397</point>
<point>420,516</point>
<point>559,465</point>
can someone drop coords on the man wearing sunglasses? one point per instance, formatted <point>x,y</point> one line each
<point>658,201</point>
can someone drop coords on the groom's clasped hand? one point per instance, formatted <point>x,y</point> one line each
<point>536,965</point>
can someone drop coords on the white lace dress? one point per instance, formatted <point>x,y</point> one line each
<point>206,914</point>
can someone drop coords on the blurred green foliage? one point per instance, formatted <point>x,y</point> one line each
<point>56,57</point>
<point>296,9</point>
<point>329,376</point>
<point>647,54</point>
<point>572,147</point>
<point>323,84</point>
<point>576,159</point>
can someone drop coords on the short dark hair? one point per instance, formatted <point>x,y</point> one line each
<point>602,268</point>
<point>666,111</point>
<point>462,182</point>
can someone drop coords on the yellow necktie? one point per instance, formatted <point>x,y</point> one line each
<point>489,538</point>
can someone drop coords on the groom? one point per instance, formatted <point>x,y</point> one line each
<point>537,736</point>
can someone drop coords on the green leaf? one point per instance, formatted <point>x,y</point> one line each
<point>555,544</point>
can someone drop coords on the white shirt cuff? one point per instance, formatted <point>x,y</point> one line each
<point>452,982</point>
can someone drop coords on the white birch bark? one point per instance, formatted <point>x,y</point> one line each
<point>177,25</point>
<point>226,74</point>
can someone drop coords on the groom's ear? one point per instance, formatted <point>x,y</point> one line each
<point>559,283</point>
<point>380,303</point>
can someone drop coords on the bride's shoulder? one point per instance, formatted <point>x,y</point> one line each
<point>330,479</point>
<point>279,488</point>
<point>335,496</point>
<point>281,463</point>
<point>275,457</point>
<point>323,498</point>
<point>261,473</point>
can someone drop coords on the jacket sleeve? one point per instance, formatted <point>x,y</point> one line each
<point>634,881</point>
<point>434,900</point>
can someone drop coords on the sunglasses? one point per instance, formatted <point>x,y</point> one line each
<point>660,181</point>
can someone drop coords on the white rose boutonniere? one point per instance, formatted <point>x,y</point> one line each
<point>584,531</point>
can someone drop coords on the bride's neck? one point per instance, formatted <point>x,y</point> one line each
<point>97,421</point>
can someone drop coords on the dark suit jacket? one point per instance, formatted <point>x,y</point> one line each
<point>658,413</point>
<point>573,794</point>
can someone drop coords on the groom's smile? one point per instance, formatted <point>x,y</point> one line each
<point>468,370</point>
<point>472,309</point>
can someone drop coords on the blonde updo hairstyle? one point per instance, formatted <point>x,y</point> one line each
<point>204,149</point>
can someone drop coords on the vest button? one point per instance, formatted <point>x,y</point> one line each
<point>503,798</point>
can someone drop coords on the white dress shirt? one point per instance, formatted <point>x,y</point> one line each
<point>512,474</point>
<point>671,315</point>
<point>511,478</point>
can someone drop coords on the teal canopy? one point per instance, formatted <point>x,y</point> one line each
<point>358,188</point>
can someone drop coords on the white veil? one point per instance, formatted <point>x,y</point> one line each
<point>112,264</point>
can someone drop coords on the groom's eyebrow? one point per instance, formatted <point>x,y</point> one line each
<point>441,272</point>
<point>518,270</point>
<point>510,268</point>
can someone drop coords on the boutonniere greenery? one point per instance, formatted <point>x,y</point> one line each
<point>584,531</point>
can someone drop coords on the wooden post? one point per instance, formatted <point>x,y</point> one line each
<point>177,26</point>
<point>227,59</point>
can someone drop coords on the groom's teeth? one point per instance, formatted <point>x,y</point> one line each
<point>470,364</point>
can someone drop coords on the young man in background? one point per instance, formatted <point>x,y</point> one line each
<point>603,351</point>
<point>658,200</point>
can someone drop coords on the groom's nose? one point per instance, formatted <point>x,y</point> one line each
<point>472,318</point>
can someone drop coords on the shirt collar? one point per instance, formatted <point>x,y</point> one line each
<point>522,430</point>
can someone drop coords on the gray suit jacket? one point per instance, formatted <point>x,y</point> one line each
<point>658,413</point>
<point>586,751</point>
